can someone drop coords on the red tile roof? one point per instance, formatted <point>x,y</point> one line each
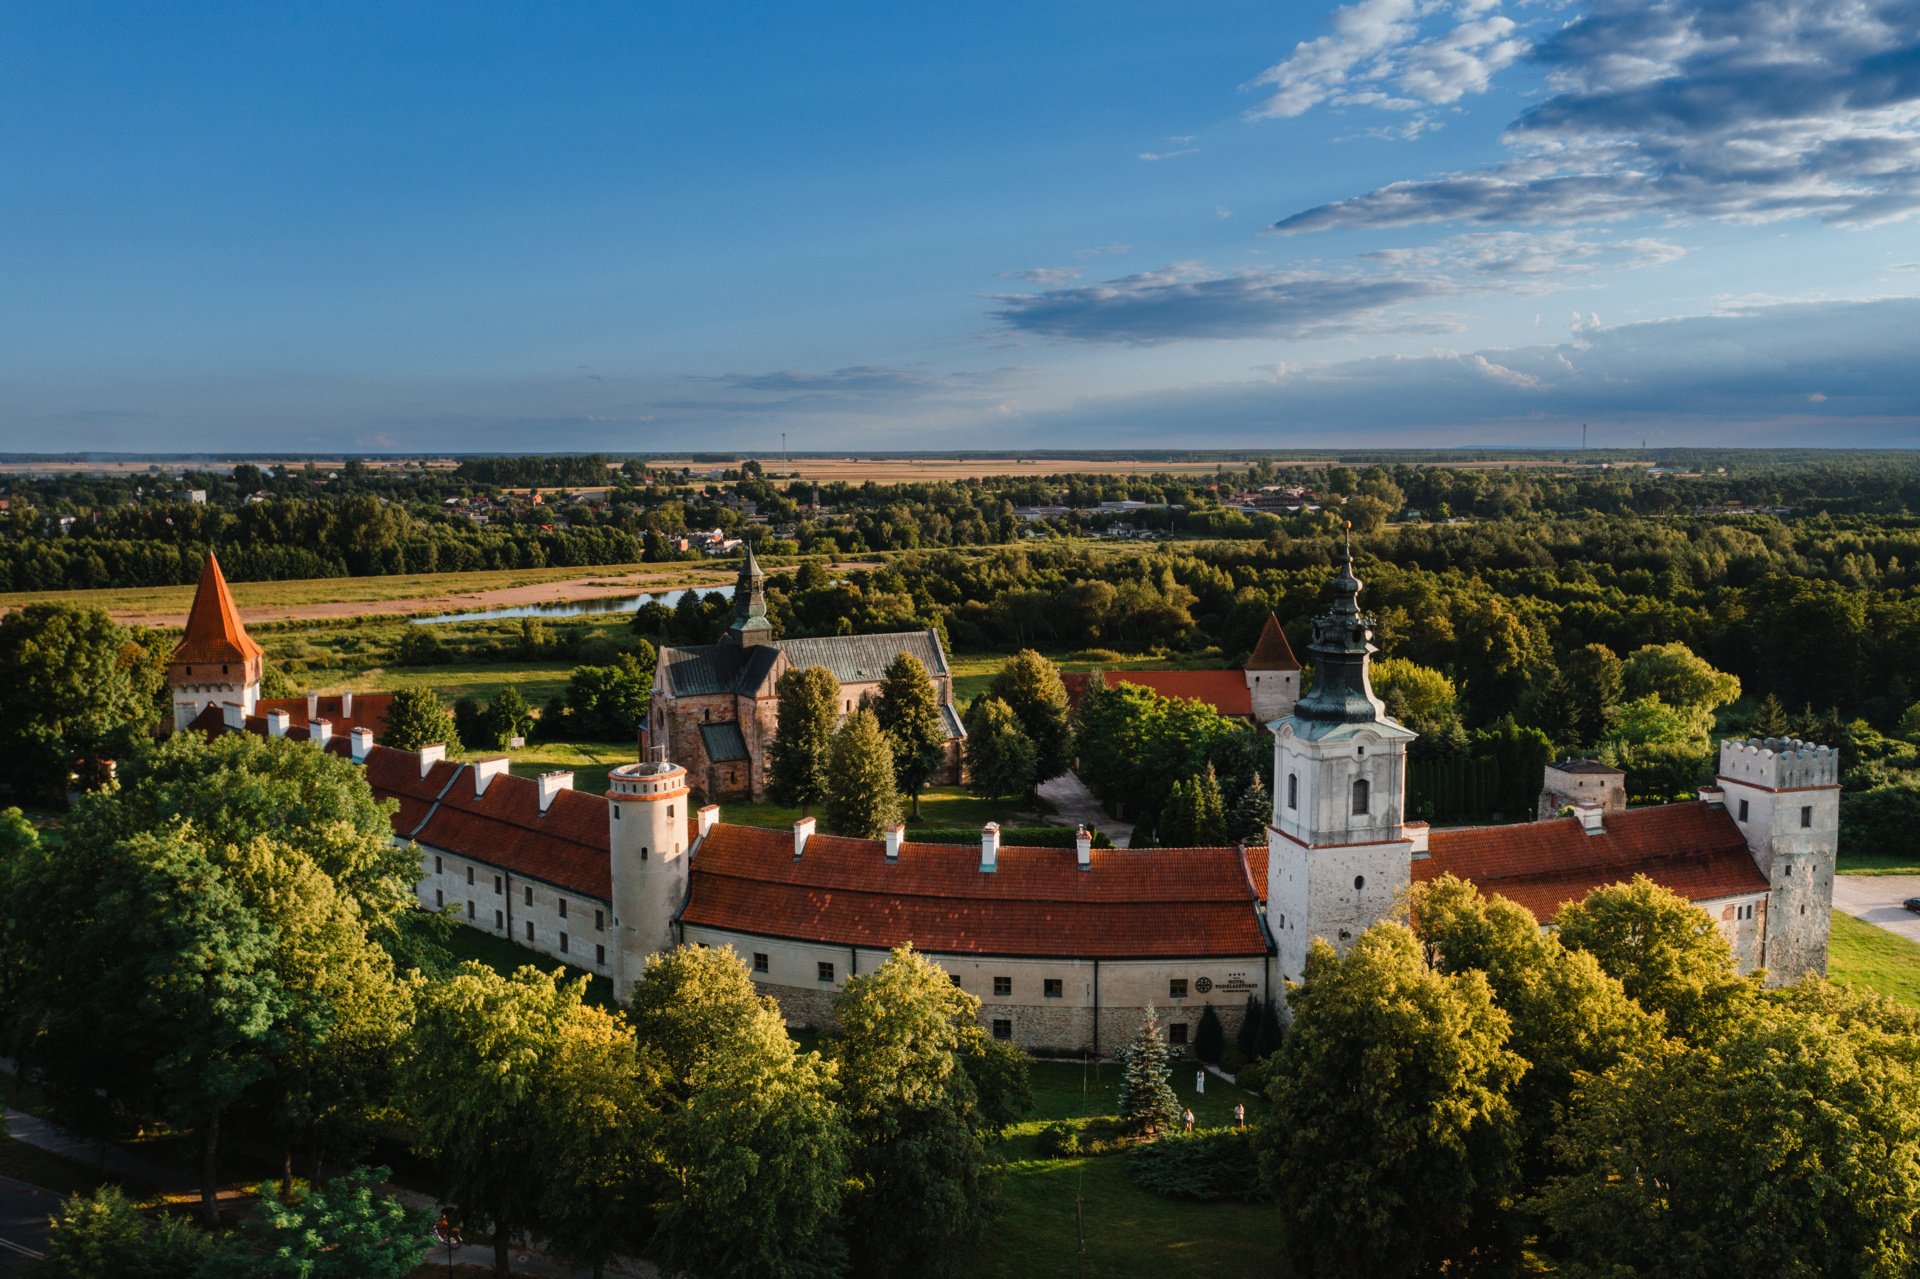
<point>369,711</point>
<point>565,846</point>
<point>1694,849</point>
<point>1272,652</point>
<point>1225,691</point>
<point>214,633</point>
<point>1165,903</point>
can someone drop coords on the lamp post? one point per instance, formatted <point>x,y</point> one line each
<point>449,1235</point>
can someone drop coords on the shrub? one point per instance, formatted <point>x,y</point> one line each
<point>1204,1167</point>
<point>1233,1061</point>
<point>1096,655</point>
<point>105,1235</point>
<point>1253,1076</point>
<point>1058,1140</point>
<point>419,646</point>
<point>1010,836</point>
<point>1209,1038</point>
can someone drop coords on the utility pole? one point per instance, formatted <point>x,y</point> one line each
<point>1583,437</point>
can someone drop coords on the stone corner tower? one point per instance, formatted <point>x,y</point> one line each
<point>216,662</point>
<point>1341,857</point>
<point>1784,795</point>
<point>1273,674</point>
<point>647,841</point>
<point>750,625</point>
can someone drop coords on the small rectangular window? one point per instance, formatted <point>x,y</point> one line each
<point>599,921</point>
<point>563,943</point>
<point>438,866</point>
<point>529,930</point>
<point>469,874</point>
<point>469,908</point>
<point>563,908</point>
<point>499,920</point>
<point>529,889</point>
<point>1051,988</point>
<point>1743,810</point>
<point>496,885</point>
<point>1003,986</point>
<point>439,898</point>
<point>1806,816</point>
<point>600,956</point>
<point>826,971</point>
<point>1177,1033</point>
<point>1003,1028</point>
<point>1177,988</point>
<point>759,961</point>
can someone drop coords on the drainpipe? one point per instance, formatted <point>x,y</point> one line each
<point>507,877</point>
<point>1096,1010</point>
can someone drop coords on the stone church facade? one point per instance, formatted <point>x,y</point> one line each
<point>715,706</point>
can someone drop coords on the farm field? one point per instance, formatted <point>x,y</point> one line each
<point>399,595</point>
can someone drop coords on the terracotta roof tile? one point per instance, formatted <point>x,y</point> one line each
<point>1225,691</point>
<point>214,633</point>
<point>1168,902</point>
<point>565,846</point>
<point>1694,849</point>
<point>1272,652</point>
<point>369,711</point>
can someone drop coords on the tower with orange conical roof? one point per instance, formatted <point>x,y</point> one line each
<point>1273,674</point>
<point>216,663</point>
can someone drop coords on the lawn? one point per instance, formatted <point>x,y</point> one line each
<point>1863,954</point>
<point>1877,864</point>
<point>1052,1208</point>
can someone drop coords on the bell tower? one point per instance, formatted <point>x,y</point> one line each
<point>216,662</point>
<point>1340,858</point>
<point>750,624</point>
<point>647,839</point>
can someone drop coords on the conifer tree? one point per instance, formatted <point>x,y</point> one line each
<point>1251,813</point>
<point>1031,687</point>
<point>797,757</point>
<point>1195,815</point>
<point>1772,720</point>
<point>1147,1103</point>
<point>1000,756</point>
<point>1209,1037</point>
<point>909,712</point>
<point>1247,1041</point>
<point>860,799</point>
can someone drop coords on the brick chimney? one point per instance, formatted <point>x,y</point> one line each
<point>896,835</point>
<point>320,731</point>
<point>429,756</point>
<point>361,744</point>
<point>484,771</point>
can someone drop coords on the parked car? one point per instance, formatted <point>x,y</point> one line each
<point>1912,904</point>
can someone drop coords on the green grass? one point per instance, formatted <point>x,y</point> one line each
<point>1863,954</point>
<point>940,807</point>
<point>972,672</point>
<point>1049,1205</point>
<point>1876,864</point>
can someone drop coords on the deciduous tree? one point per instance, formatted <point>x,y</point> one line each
<point>1030,685</point>
<point>75,688</point>
<point>416,717</point>
<point>1000,755</point>
<point>908,709</point>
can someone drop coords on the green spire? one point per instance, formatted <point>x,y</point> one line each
<point>1342,656</point>
<point>750,624</point>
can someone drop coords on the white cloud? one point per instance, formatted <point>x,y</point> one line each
<point>1745,110</point>
<point>1169,155</point>
<point>1044,274</point>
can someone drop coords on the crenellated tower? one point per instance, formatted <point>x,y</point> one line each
<point>1784,795</point>
<point>1339,859</point>
<point>647,840</point>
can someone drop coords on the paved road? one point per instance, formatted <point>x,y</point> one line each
<point>24,1211</point>
<point>1877,898</point>
<point>1073,802</point>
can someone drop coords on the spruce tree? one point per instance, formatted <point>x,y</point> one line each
<point>1772,721</point>
<point>1210,810</point>
<point>909,712</point>
<point>1251,813</point>
<point>1147,1103</point>
<point>1209,1037</point>
<point>861,800</point>
<point>1180,818</point>
<point>797,756</point>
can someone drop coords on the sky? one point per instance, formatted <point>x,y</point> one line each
<point>484,226</point>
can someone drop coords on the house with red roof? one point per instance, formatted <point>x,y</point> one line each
<point>1263,689</point>
<point>1063,947</point>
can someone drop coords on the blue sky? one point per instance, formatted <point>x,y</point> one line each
<point>430,227</point>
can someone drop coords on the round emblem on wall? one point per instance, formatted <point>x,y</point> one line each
<point>1203,985</point>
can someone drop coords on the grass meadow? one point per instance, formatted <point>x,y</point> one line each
<point>1863,954</point>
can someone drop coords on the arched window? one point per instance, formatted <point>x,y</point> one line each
<point>1361,795</point>
<point>1293,790</point>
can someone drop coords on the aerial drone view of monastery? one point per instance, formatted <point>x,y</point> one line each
<point>1064,946</point>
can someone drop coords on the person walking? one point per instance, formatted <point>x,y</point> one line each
<point>1187,1121</point>
<point>1239,1114</point>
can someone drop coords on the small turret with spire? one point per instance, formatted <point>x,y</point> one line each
<point>750,624</point>
<point>1342,648</point>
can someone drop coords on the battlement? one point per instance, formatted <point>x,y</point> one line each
<point>1779,763</point>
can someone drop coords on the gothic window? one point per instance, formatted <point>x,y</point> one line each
<point>1362,796</point>
<point>1293,790</point>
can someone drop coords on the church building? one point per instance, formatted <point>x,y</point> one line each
<point>1065,947</point>
<point>715,706</point>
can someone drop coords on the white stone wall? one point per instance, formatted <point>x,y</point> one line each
<point>647,836</point>
<point>1784,795</point>
<point>497,902</point>
<point>1321,811</point>
<point>1041,1023</point>
<point>1743,922</point>
<point>1336,893</point>
<point>1273,693</point>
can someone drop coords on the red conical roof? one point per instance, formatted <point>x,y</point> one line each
<point>1273,653</point>
<point>214,633</point>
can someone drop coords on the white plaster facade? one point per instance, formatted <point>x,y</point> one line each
<point>1784,795</point>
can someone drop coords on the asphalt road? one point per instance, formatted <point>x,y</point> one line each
<point>1877,898</point>
<point>24,1211</point>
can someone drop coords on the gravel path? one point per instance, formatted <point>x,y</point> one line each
<point>1073,802</point>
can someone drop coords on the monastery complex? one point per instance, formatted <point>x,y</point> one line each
<point>1063,946</point>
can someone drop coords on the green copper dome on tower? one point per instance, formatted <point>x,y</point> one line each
<point>1342,652</point>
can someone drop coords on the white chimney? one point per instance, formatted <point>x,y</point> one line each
<point>1589,815</point>
<point>552,784</point>
<point>361,744</point>
<point>313,707</point>
<point>896,835</point>
<point>319,731</point>
<point>277,722</point>
<point>802,832</point>
<point>989,846</point>
<point>484,771</point>
<point>1083,848</point>
<point>707,818</point>
<point>346,704</point>
<point>234,716</point>
<point>429,756</point>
